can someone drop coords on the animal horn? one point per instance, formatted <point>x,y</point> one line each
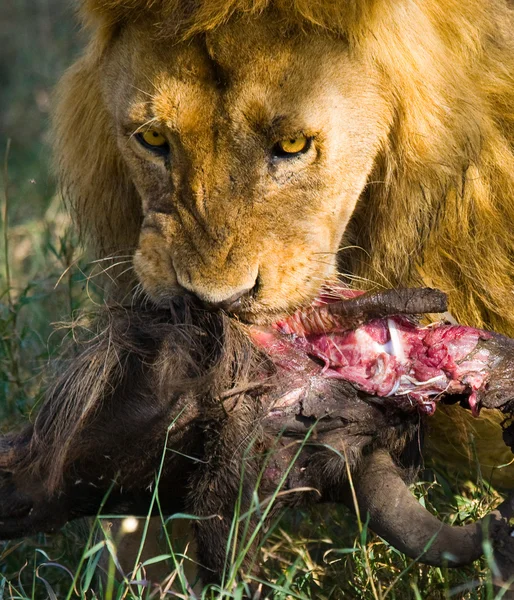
<point>401,520</point>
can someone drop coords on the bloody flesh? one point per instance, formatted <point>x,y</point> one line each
<point>393,356</point>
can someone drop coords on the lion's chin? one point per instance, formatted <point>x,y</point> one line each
<point>251,312</point>
<point>254,312</point>
<point>265,316</point>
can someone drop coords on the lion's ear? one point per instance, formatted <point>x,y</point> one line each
<point>95,183</point>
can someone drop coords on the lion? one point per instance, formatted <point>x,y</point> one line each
<point>248,151</point>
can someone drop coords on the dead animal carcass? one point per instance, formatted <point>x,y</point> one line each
<point>343,387</point>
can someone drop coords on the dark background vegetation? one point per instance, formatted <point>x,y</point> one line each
<point>44,280</point>
<point>38,40</point>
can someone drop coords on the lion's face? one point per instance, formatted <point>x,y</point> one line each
<point>249,147</point>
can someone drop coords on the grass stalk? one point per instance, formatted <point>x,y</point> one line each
<point>7,266</point>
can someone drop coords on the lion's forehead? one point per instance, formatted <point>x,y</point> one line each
<point>239,74</point>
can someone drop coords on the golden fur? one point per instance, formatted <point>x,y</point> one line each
<point>410,180</point>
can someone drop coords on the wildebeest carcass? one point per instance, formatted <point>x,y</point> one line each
<point>341,389</point>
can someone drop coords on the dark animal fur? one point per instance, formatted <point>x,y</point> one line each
<point>104,425</point>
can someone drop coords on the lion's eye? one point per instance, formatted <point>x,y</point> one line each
<point>292,147</point>
<point>153,140</point>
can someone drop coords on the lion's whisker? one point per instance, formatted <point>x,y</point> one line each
<point>151,96</point>
<point>112,257</point>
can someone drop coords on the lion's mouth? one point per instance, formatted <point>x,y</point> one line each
<point>374,342</point>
